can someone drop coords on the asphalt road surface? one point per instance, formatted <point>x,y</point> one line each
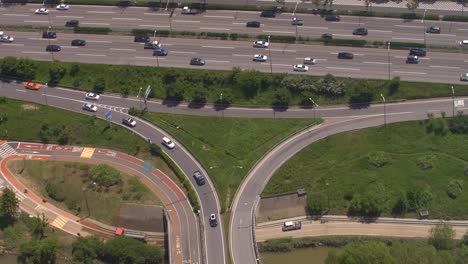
<point>218,54</point>
<point>381,29</point>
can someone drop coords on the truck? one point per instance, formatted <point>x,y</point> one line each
<point>291,225</point>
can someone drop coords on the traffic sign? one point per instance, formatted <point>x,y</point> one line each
<point>108,114</point>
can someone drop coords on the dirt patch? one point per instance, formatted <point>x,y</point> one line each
<point>29,107</point>
<point>142,217</point>
<point>281,206</point>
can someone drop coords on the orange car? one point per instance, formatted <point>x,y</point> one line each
<point>32,86</point>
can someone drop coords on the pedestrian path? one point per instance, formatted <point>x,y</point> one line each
<point>6,150</point>
<point>87,153</point>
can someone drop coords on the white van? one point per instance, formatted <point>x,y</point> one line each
<point>463,43</point>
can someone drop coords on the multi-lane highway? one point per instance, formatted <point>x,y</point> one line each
<point>218,54</point>
<point>382,29</point>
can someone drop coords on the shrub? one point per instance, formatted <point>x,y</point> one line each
<point>316,203</point>
<point>94,30</point>
<point>426,161</point>
<point>418,199</point>
<point>378,158</point>
<point>455,188</point>
<point>135,111</point>
<point>459,124</point>
<point>281,97</point>
<point>330,86</point>
<point>55,191</point>
<point>394,85</point>
<point>221,35</point>
<point>105,175</point>
<point>455,18</point>
<point>350,42</point>
<point>406,45</point>
<point>99,85</point>
<point>141,31</point>
<point>276,38</point>
<point>56,72</point>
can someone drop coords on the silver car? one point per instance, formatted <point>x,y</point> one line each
<point>92,96</point>
<point>261,44</point>
<point>90,107</point>
<point>464,77</point>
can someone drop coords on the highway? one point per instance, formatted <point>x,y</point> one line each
<point>381,29</point>
<point>368,62</point>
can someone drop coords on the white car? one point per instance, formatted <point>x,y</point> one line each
<point>260,57</point>
<point>213,220</point>
<point>1,33</point>
<point>129,122</point>
<point>168,143</point>
<point>90,107</point>
<point>309,61</point>
<point>92,96</point>
<point>300,68</point>
<point>62,7</point>
<point>6,38</point>
<point>464,77</point>
<point>41,11</point>
<point>261,44</point>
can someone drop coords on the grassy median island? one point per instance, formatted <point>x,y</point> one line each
<point>69,184</point>
<point>228,147</point>
<point>398,169</point>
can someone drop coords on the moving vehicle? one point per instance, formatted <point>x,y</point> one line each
<point>433,30</point>
<point>90,107</point>
<point>297,22</point>
<point>7,39</point>
<point>345,55</point>
<point>53,48</point>
<point>197,61</point>
<point>291,225</point>
<point>190,11</point>
<point>417,52</point>
<point>464,77</point>
<point>268,13</point>
<point>160,52</point>
<point>92,96</point>
<point>213,220</point>
<point>62,7</point>
<point>254,24</point>
<point>141,38</point>
<point>360,31</point>
<point>261,44</point>
<point>327,36</point>
<point>309,61</point>
<point>463,43</point>
<point>32,86</point>
<point>41,11</point>
<point>300,68</point>
<point>412,59</point>
<point>128,121</point>
<point>72,23</point>
<point>332,17</point>
<point>151,45</point>
<point>78,42</point>
<point>260,57</point>
<point>199,178</point>
<point>168,143</point>
<point>49,34</point>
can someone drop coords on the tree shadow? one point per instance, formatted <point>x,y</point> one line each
<point>170,103</point>
<point>196,105</point>
<point>357,106</point>
<point>280,108</point>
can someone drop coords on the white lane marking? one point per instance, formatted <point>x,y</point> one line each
<point>242,55</point>
<point>217,61</point>
<point>281,32</point>
<point>19,15</point>
<point>70,16</point>
<point>69,47</point>
<point>346,69</point>
<point>153,26</point>
<point>92,55</point>
<point>403,57</point>
<point>152,14</point>
<point>91,23</point>
<point>407,26</point>
<point>276,64</point>
<point>383,31</point>
<point>23,91</point>
<point>407,72</point>
<point>35,52</point>
<point>220,16</point>
<point>145,58</point>
<point>283,50</point>
<point>349,23</point>
<point>375,62</point>
<point>407,38</point>
<point>444,35</point>
<point>163,44</point>
<point>217,47</point>
<point>185,21</point>
<point>99,41</point>
<point>445,67</point>
<point>464,29</point>
<point>123,18</point>
<point>279,19</point>
<point>183,52</point>
<point>355,54</point>
<point>11,44</point>
<point>35,21</point>
<point>314,27</point>
<point>208,28</point>
<point>343,35</point>
<point>237,23</point>
<point>100,12</point>
<point>122,49</point>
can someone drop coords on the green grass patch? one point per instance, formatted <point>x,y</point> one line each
<point>382,164</point>
<point>227,147</point>
<point>69,184</point>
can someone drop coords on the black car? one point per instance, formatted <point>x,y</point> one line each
<point>332,18</point>
<point>360,31</point>
<point>49,34</point>
<point>197,61</point>
<point>199,178</point>
<point>141,38</point>
<point>255,24</point>
<point>417,52</point>
<point>53,48</point>
<point>268,13</point>
<point>78,42</point>
<point>327,36</point>
<point>412,59</point>
<point>433,30</point>
<point>72,23</point>
<point>345,55</point>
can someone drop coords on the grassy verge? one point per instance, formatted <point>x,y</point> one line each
<point>50,179</point>
<point>238,87</point>
<point>411,164</point>
<point>227,147</point>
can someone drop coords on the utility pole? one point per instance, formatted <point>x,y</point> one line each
<point>269,55</point>
<point>313,105</point>
<point>388,59</point>
<point>222,103</point>
<point>385,109</point>
<point>424,26</point>
<point>453,102</point>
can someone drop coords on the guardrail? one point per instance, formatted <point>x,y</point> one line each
<point>254,223</point>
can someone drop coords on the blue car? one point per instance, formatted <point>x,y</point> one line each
<point>160,52</point>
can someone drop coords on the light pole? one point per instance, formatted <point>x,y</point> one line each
<point>388,59</point>
<point>86,200</point>
<point>154,35</point>
<point>453,102</point>
<point>222,103</point>
<point>45,93</point>
<point>424,26</point>
<point>384,109</point>
<point>269,55</point>
<point>313,105</point>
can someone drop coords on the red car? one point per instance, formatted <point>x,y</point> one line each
<point>32,86</point>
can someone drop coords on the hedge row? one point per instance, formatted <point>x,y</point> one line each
<point>93,30</point>
<point>385,14</point>
<point>455,18</point>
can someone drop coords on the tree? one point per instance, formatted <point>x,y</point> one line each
<point>249,82</point>
<point>123,249</point>
<point>412,5</point>
<point>442,236</point>
<point>86,249</point>
<point>465,239</point>
<point>39,251</point>
<point>56,72</point>
<point>317,203</point>
<point>365,253</point>
<point>411,252</point>
<point>175,91</point>
<point>199,96</point>
<point>74,69</point>
<point>99,85</point>
<point>39,226</point>
<point>9,204</point>
<point>281,97</point>
<point>401,205</point>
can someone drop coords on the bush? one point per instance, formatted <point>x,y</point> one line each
<point>105,175</point>
<point>281,97</point>
<point>55,191</point>
<point>394,85</point>
<point>349,42</point>
<point>141,31</point>
<point>426,161</point>
<point>20,68</point>
<point>378,158</point>
<point>56,72</point>
<point>221,35</point>
<point>418,199</point>
<point>133,111</point>
<point>455,188</point>
<point>455,18</point>
<point>406,45</point>
<point>458,124</point>
<point>276,38</point>
<point>93,30</point>
<point>316,203</point>
<point>99,85</point>
<point>330,86</point>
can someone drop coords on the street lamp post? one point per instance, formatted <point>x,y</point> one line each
<point>86,200</point>
<point>313,105</point>
<point>388,59</point>
<point>269,55</point>
<point>424,26</point>
<point>45,93</point>
<point>222,103</point>
<point>453,102</point>
<point>384,109</point>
